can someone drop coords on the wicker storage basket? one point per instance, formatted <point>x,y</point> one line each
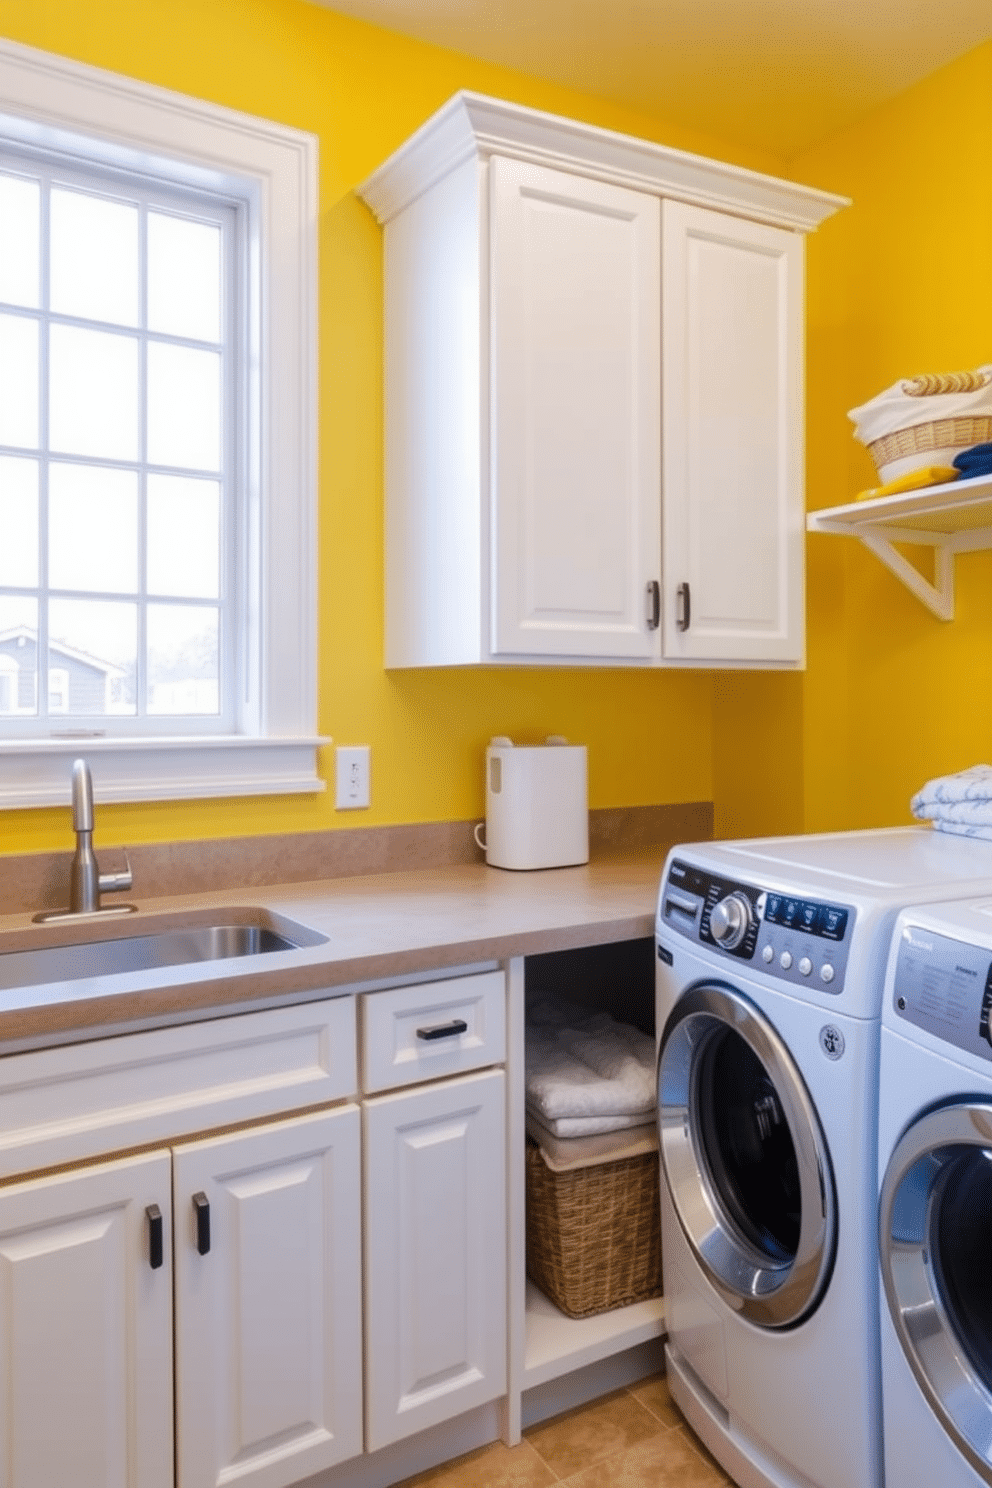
<point>594,1234</point>
<point>935,443</point>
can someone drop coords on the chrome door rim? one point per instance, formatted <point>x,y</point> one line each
<point>767,1293</point>
<point>908,1213</point>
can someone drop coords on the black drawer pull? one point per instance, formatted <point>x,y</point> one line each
<point>201,1208</point>
<point>155,1236</point>
<point>444,1030</point>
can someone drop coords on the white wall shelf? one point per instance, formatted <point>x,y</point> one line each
<point>951,518</point>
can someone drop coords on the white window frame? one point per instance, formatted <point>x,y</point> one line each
<point>51,102</point>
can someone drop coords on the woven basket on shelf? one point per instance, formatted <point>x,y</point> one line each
<point>953,434</point>
<point>594,1234</point>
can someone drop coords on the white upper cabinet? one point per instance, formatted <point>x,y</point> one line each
<point>576,407</point>
<point>594,410</point>
<point>733,507</point>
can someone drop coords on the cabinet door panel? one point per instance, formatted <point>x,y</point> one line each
<point>86,1330</point>
<point>268,1325</point>
<point>575,394</point>
<point>733,410</point>
<point>436,1261</point>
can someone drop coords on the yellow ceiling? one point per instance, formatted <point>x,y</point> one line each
<point>780,74</point>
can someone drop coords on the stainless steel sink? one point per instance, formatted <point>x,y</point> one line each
<point>145,949</point>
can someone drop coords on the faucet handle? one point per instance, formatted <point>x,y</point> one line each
<point>117,883</point>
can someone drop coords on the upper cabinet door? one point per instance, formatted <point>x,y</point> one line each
<point>575,399</point>
<point>732,318</point>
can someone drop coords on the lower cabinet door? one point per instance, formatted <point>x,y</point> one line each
<point>435,1270</point>
<point>268,1302</point>
<point>86,1328</point>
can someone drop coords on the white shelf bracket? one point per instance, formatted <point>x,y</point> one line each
<point>938,596</point>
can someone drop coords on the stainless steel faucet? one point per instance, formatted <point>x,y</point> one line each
<point>86,882</point>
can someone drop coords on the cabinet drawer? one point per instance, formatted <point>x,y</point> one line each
<point>433,1029</point>
<point>68,1104</point>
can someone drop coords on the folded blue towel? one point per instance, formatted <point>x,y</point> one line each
<point>975,461</point>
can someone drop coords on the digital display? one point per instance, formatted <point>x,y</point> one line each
<point>826,920</point>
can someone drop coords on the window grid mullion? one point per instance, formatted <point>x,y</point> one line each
<point>44,451</point>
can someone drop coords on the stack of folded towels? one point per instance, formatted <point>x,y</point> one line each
<point>959,803</point>
<point>590,1085</point>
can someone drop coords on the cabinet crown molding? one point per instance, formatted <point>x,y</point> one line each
<point>470,125</point>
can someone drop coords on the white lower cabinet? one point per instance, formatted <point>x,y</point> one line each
<point>194,1315</point>
<point>86,1329</point>
<point>435,1269</point>
<point>267,1306</point>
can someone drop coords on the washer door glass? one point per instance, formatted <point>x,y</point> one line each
<point>744,1157</point>
<point>935,1239</point>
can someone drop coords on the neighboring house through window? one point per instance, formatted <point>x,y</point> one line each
<point>157,440</point>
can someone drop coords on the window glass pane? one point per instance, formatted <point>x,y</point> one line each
<point>183,277</point>
<point>92,528</point>
<point>93,396</point>
<point>19,381</point>
<point>183,407</point>
<point>183,537</point>
<point>18,656</point>
<point>96,642</point>
<point>18,521</point>
<point>94,257</point>
<point>182,660</point>
<point>20,252</point>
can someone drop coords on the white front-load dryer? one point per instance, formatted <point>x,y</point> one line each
<point>935,1201</point>
<point>770,961</point>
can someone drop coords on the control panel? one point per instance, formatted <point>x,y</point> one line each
<point>945,987</point>
<point>795,939</point>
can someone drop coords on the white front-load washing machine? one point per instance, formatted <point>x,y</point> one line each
<point>935,1202</point>
<point>770,961</point>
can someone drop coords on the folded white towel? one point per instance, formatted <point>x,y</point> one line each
<point>960,803</point>
<point>586,1065</point>
<point>564,1154</point>
<point>570,1127</point>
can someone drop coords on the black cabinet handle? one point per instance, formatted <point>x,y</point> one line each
<point>683,607</point>
<point>155,1236</point>
<point>201,1209</point>
<point>444,1030</point>
<point>654,604</point>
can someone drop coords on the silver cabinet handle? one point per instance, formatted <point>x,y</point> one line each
<point>653,604</point>
<point>683,607</point>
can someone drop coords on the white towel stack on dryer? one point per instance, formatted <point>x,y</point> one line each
<point>590,1085</point>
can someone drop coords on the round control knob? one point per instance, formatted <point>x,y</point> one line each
<point>785,960</point>
<point>768,954</point>
<point>826,973</point>
<point>805,966</point>
<point>730,920</point>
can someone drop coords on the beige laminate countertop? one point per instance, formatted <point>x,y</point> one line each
<point>375,929</point>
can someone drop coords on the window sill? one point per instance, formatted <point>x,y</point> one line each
<point>37,772</point>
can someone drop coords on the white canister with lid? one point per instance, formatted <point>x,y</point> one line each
<point>537,808</point>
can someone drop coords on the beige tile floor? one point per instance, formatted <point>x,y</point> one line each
<point>630,1439</point>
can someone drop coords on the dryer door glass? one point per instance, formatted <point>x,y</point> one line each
<point>935,1237</point>
<point>744,1158</point>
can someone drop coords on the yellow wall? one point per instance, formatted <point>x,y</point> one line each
<point>900,283</point>
<point>362,91</point>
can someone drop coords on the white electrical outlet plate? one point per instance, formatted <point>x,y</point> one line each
<point>351,777</point>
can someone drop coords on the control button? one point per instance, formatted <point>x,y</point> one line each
<point>826,973</point>
<point>768,954</point>
<point>805,966</point>
<point>730,920</point>
<point>785,960</point>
